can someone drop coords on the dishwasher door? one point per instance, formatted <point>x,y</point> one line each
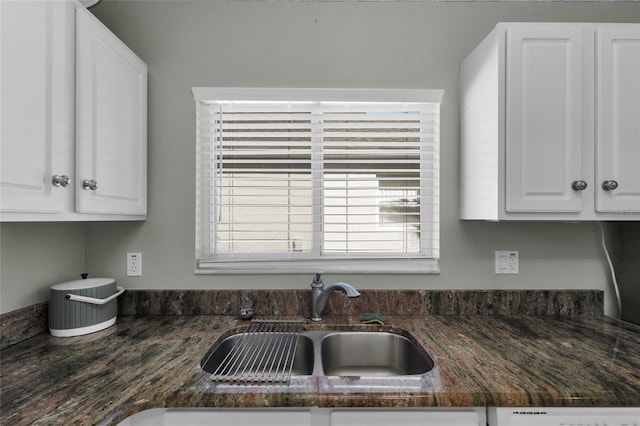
<point>564,416</point>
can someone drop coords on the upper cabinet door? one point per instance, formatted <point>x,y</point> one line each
<point>618,119</point>
<point>111,117</point>
<point>36,95</point>
<point>545,103</point>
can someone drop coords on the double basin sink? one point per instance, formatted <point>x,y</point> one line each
<point>334,353</point>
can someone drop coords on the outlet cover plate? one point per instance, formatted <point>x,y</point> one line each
<point>134,264</point>
<point>507,262</point>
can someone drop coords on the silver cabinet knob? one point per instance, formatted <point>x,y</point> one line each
<point>579,185</point>
<point>89,184</point>
<point>609,185</point>
<point>60,180</point>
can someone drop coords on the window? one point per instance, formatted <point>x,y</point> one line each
<point>292,180</point>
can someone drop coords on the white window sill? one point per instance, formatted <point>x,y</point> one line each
<point>351,266</point>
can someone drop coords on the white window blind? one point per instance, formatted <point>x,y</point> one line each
<point>295,180</point>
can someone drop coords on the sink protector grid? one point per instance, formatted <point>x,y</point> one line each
<point>266,353</point>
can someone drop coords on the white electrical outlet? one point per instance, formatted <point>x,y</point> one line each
<point>134,264</point>
<point>507,262</point>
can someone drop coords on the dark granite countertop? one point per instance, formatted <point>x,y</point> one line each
<point>480,360</point>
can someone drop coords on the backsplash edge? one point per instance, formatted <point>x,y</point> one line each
<point>22,324</point>
<point>387,302</point>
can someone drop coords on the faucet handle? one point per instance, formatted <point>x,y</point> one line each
<point>317,280</point>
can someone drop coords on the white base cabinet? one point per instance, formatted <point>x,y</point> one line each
<point>73,117</point>
<point>407,417</point>
<point>550,123</point>
<point>309,417</point>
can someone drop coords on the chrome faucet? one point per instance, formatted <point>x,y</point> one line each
<point>320,294</point>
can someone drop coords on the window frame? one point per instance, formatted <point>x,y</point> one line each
<point>297,262</point>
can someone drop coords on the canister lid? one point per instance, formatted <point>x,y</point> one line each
<point>83,284</point>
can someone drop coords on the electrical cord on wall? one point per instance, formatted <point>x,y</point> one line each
<point>613,272</point>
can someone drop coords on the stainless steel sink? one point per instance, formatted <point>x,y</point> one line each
<point>372,354</point>
<point>269,357</point>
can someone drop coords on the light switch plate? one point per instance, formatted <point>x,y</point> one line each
<point>507,262</point>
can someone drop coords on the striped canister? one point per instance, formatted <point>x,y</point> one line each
<point>83,306</point>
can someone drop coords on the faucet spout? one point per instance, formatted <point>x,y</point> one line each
<point>347,289</point>
<point>320,295</point>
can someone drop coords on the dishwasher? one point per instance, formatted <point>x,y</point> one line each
<point>564,416</point>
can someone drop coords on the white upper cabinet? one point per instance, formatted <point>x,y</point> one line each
<point>618,118</point>
<point>550,127</point>
<point>58,74</point>
<point>111,122</point>
<point>36,95</point>
<point>545,99</point>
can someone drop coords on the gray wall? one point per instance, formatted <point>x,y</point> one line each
<point>316,44</point>
<point>33,256</point>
